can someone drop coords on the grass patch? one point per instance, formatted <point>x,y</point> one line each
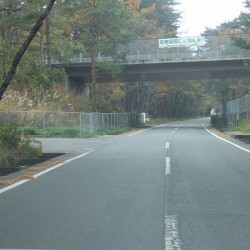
<point>73,132</point>
<point>244,128</point>
<point>116,131</point>
<point>50,132</point>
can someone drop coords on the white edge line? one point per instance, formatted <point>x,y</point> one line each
<point>43,172</point>
<point>161,125</point>
<point>139,132</point>
<point>13,186</point>
<point>61,164</point>
<point>231,143</point>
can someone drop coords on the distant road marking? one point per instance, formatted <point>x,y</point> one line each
<point>229,142</point>
<point>167,145</point>
<point>43,172</point>
<point>135,133</point>
<point>172,238</point>
<point>168,169</point>
<point>175,130</point>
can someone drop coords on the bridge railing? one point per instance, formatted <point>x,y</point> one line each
<point>171,57</point>
<point>148,51</point>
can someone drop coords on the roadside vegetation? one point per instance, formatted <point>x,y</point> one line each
<point>244,128</point>
<point>70,132</point>
<point>15,147</point>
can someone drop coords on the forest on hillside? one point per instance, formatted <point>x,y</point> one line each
<point>92,27</point>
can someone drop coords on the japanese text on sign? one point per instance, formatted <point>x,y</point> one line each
<point>182,42</point>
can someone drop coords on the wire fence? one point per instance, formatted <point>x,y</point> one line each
<point>68,124</point>
<point>237,111</point>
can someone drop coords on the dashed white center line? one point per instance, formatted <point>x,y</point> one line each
<point>168,166</point>
<point>172,238</point>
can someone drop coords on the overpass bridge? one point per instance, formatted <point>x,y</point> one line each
<point>216,58</point>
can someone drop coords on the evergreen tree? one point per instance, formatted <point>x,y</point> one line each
<point>164,20</point>
<point>99,25</point>
<point>21,51</point>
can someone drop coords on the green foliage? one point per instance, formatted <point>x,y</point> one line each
<point>50,132</point>
<point>71,132</point>
<point>9,138</point>
<point>113,67</point>
<point>88,27</point>
<point>164,20</point>
<point>14,147</point>
<point>244,128</point>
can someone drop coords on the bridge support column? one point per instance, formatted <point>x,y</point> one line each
<point>86,91</point>
<point>66,84</point>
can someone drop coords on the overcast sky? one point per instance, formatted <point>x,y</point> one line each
<point>198,14</point>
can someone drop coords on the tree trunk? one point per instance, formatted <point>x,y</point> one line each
<point>93,82</point>
<point>94,66</point>
<point>48,52</point>
<point>41,47</point>
<point>24,47</point>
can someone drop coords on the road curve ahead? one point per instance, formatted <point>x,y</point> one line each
<point>173,187</point>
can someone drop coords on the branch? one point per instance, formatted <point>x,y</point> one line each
<point>24,47</point>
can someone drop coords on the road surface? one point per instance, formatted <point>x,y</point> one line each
<point>172,187</point>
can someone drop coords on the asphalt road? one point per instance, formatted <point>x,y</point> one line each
<point>171,187</point>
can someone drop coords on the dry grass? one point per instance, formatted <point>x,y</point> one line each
<point>6,182</point>
<point>55,99</point>
<point>27,176</point>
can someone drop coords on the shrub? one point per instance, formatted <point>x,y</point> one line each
<point>15,147</point>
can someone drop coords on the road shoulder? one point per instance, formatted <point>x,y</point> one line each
<point>28,173</point>
<point>229,138</point>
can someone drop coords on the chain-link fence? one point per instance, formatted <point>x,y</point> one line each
<point>237,111</point>
<point>68,124</point>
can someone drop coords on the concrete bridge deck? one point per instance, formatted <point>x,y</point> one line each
<point>217,58</point>
<point>167,71</point>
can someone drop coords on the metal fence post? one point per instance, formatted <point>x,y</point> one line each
<point>80,124</point>
<point>246,108</point>
<point>91,122</point>
<point>44,120</point>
